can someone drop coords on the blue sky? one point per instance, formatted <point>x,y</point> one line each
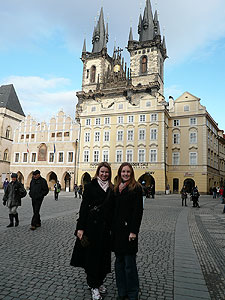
<point>41,43</point>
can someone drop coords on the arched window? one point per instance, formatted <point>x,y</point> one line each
<point>6,155</point>
<point>8,132</point>
<point>93,74</point>
<point>144,64</point>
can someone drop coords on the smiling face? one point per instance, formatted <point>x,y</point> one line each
<point>103,173</point>
<point>125,173</point>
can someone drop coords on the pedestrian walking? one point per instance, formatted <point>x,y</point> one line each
<point>195,196</point>
<point>92,250</point>
<point>5,184</point>
<point>12,199</point>
<point>38,190</point>
<point>152,191</point>
<point>184,195</point>
<point>128,210</point>
<point>144,192</point>
<point>57,189</point>
<point>214,190</point>
<point>75,190</point>
<point>80,191</point>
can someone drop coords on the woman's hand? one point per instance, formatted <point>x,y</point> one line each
<point>132,236</point>
<point>80,234</point>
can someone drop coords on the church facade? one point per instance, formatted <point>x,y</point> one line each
<point>124,116</point>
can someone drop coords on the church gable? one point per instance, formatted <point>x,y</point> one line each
<point>9,99</point>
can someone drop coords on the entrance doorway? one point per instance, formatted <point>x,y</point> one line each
<point>86,178</point>
<point>67,180</point>
<point>175,185</point>
<point>148,180</point>
<point>189,183</point>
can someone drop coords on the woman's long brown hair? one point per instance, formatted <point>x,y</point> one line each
<point>132,183</point>
<point>106,165</point>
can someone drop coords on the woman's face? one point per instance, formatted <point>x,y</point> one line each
<point>103,173</point>
<point>125,173</point>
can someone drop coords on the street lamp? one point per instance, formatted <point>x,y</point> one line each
<point>75,162</point>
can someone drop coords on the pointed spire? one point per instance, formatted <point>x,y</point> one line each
<point>140,24</point>
<point>156,23</point>
<point>84,47</point>
<point>146,31</point>
<point>131,35</point>
<point>164,42</point>
<point>100,35</point>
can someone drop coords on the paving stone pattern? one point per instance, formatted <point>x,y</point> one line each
<point>35,265</point>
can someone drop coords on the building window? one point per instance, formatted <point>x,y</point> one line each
<point>87,137</point>
<point>93,108</point>
<point>97,121</point>
<point>142,118</point>
<point>141,134</point>
<point>153,155</point>
<point>22,136</point>
<point>86,155</point>
<point>96,155</point>
<point>119,156</point>
<point>120,106</point>
<point>105,155</point>
<point>66,133</point>
<point>93,74</point>
<point>176,158</point>
<point>186,108</point>
<point>5,155</point>
<point>129,155</point>
<point>88,122</point>
<point>144,64</point>
<point>119,135</point>
<point>59,134</point>
<point>34,157</point>
<point>17,156</point>
<point>153,134</point>
<point>120,120</point>
<point>130,135</point>
<point>154,117</point>
<point>51,157</point>
<point>7,133</point>
<point>193,137</point>
<point>97,136</point>
<point>141,155</point>
<point>148,104</point>
<point>24,157</point>
<point>53,134</point>
<point>193,158</point>
<point>106,120</point>
<point>176,123</point>
<point>32,136</point>
<point>193,121</point>
<point>60,156</point>
<point>106,136</point>
<point>130,119</point>
<point>176,138</point>
<point>70,156</point>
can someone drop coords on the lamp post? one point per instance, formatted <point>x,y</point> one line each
<point>75,162</point>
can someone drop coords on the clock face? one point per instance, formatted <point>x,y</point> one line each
<point>116,68</point>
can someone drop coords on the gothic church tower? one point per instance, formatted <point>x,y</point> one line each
<point>147,55</point>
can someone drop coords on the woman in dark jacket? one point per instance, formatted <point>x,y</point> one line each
<point>92,250</point>
<point>128,210</point>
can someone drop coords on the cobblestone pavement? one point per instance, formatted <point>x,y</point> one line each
<point>181,254</point>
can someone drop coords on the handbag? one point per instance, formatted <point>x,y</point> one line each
<point>85,241</point>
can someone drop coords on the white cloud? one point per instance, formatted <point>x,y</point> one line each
<point>42,97</point>
<point>174,91</point>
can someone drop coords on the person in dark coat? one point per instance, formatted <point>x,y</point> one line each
<point>128,211</point>
<point>38,190</point>
<point>195,196</point>
<point>5,184</point>
<point>12,198</point>
<point>184,195</point>
<point>57,189</point>
<point>92,250</point>
<point>152,191</point>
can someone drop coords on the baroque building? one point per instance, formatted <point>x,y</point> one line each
<point>50,147</point>
<point>11,114</point>
<point>124,116</point>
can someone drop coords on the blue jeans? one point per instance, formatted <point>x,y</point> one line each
<point>126,276</point>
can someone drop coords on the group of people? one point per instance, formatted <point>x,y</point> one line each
<point>15,191</point>
<point>194,196</point>
<point>109,220</point>
<point>78,190</point>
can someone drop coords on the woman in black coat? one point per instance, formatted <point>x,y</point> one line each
<point>128,210</point>
<point>92,250</point>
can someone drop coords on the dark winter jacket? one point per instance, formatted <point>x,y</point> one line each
<point>38,188</point>
<point>96,227</point>
<point>13,194</point>
<point>127,218</point>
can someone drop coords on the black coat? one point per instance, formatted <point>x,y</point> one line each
<point>97,256</point>
<point>38,188</point>
<point>17,191</point>
<point>127,218</point>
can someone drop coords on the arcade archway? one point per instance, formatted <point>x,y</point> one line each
<point>52,179</point>
<point>20,177</point>
<point>86,178</point>
<point>148,180</point>
<point>67,180</point>
<point>189,183</point>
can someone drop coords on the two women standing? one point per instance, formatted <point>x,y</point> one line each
<point>110,218</point>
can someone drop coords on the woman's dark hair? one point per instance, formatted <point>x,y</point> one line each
<point>106,165</point>
<point>132,183</point>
